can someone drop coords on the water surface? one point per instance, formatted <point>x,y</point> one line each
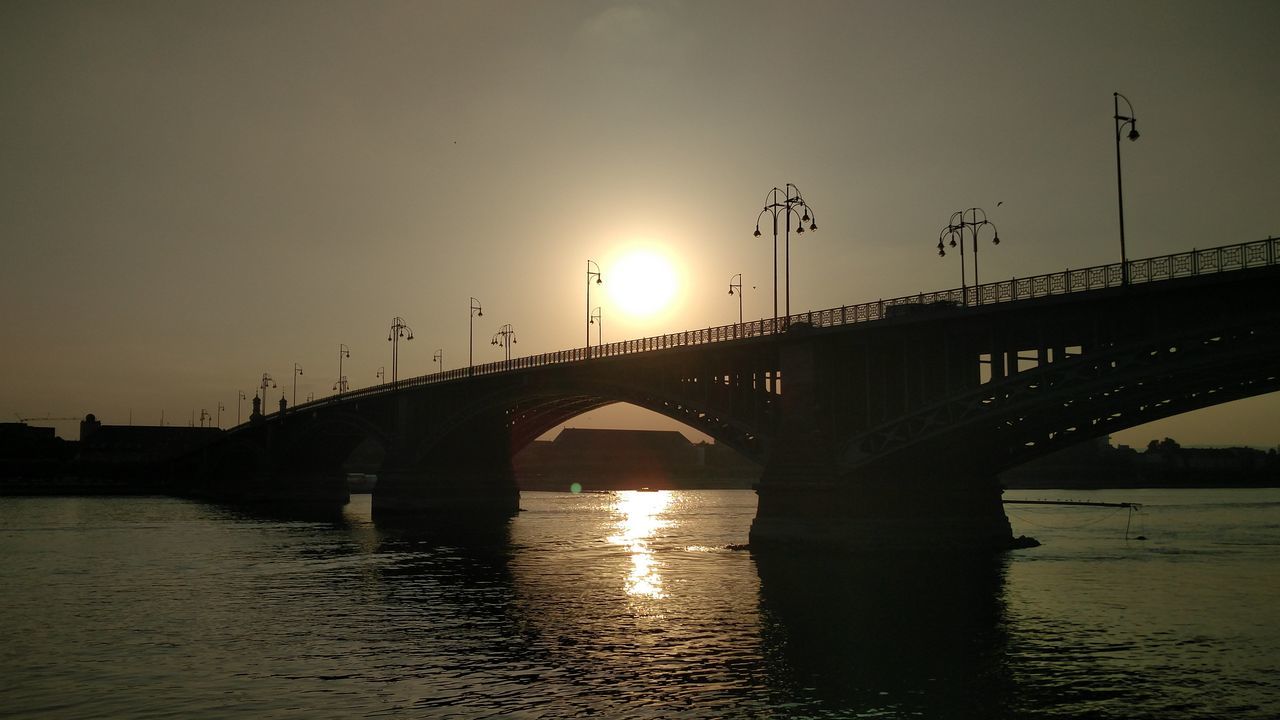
<point>632,605</point>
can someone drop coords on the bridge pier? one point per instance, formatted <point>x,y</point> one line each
<point>443,496</point>
<point>962,515</point>
<point>806,499</point>
<point>467,477</point>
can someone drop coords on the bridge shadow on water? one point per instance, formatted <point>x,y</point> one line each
<point>895,636</point>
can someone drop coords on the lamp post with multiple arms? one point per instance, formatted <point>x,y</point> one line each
<point>738,285</point>
<point>505,338</point>
<point>297,370</point>
<point>786,201</point>
<point>1121,122</point>
<point>596,319</point>
<point>398,330</point>
<point>953,234</point>
<point>266,380</point>
<point>341,385</point>
<point>476,311</point>
<point>439,360</point>
<point>598,278</point>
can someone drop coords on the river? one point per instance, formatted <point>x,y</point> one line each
<point>635,605</point>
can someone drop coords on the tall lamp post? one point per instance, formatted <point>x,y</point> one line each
<point>1121,122</point>
<point>598,278</point>
<point>476,311</point>
<point>953,234</point>
<point>439,360</point>
<point>239,396</point>
<point>398,330</point>
<point>221,407</point>
<point>737,285</point>
<point>505,338</point>
<point>596,319</point>
<point>266,380</point>
<point>297,370</point>
<point>343,352</point>
<point>786,201</point>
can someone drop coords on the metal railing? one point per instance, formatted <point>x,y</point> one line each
<point>1260,253</point>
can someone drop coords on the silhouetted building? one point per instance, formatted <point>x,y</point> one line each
<point>618,459</point>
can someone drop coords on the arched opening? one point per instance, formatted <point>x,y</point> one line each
<point>621,446</point>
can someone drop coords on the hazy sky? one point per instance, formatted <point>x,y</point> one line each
<point>194,193</point>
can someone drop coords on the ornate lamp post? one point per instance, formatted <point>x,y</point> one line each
<point>266,380</point>
<point>737,285</point>
<point>971,220</point>
<point>505,338</point>
<point>297,370</point>
<point>1132,122</point>
<point>439,360</point>
<point>596,319</point>
<point>398,330</point>
<point>591,274</point>
<point>787,202</point>
<point>341,385</point>
<point>476,312</point>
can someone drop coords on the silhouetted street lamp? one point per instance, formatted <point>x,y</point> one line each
<point>439,360</point>
<point>204,415</point>
<point>266,380</point>
<point>971,220</point>
<point>239,396</point>
<point>785,201</point>
<point>598,278</point>
<point>221,407</point>
<point>737,285</point>
<point>505,338</point>
<point>297,370</point>
<point>1132,122</point>
<point>476,312</point>
<point>341,385</point>
<point>596,319</point>
<point>382,373</point>
<point>398,330</point>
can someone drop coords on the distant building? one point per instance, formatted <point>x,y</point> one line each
<point>128,444</point>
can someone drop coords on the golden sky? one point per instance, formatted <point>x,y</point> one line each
<point>195,193</point>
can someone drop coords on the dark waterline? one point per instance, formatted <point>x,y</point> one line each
<point>631,605</point>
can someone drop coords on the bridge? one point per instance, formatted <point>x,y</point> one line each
<point>878,424</point>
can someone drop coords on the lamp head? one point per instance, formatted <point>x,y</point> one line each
<point>953,242</point>
<point>757,232</point>
<point>731,290</point>
<point>995,240</point>
<point>1133,132</point>
<point>599,280</point>
<point>813,225</point>
<point>800,230</point>
<point>941,252</point>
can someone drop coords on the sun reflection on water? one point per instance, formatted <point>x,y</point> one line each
<point>641,517</point>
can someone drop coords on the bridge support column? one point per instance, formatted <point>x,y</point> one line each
<point>898,514</point>
<point>806,500</point>
<point>466,477</point>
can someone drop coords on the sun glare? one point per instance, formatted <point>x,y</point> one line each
<point>641,283</point>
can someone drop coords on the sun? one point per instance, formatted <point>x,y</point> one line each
<point>641,282</point>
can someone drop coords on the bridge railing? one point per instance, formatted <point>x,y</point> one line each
<point>1260,253</point>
